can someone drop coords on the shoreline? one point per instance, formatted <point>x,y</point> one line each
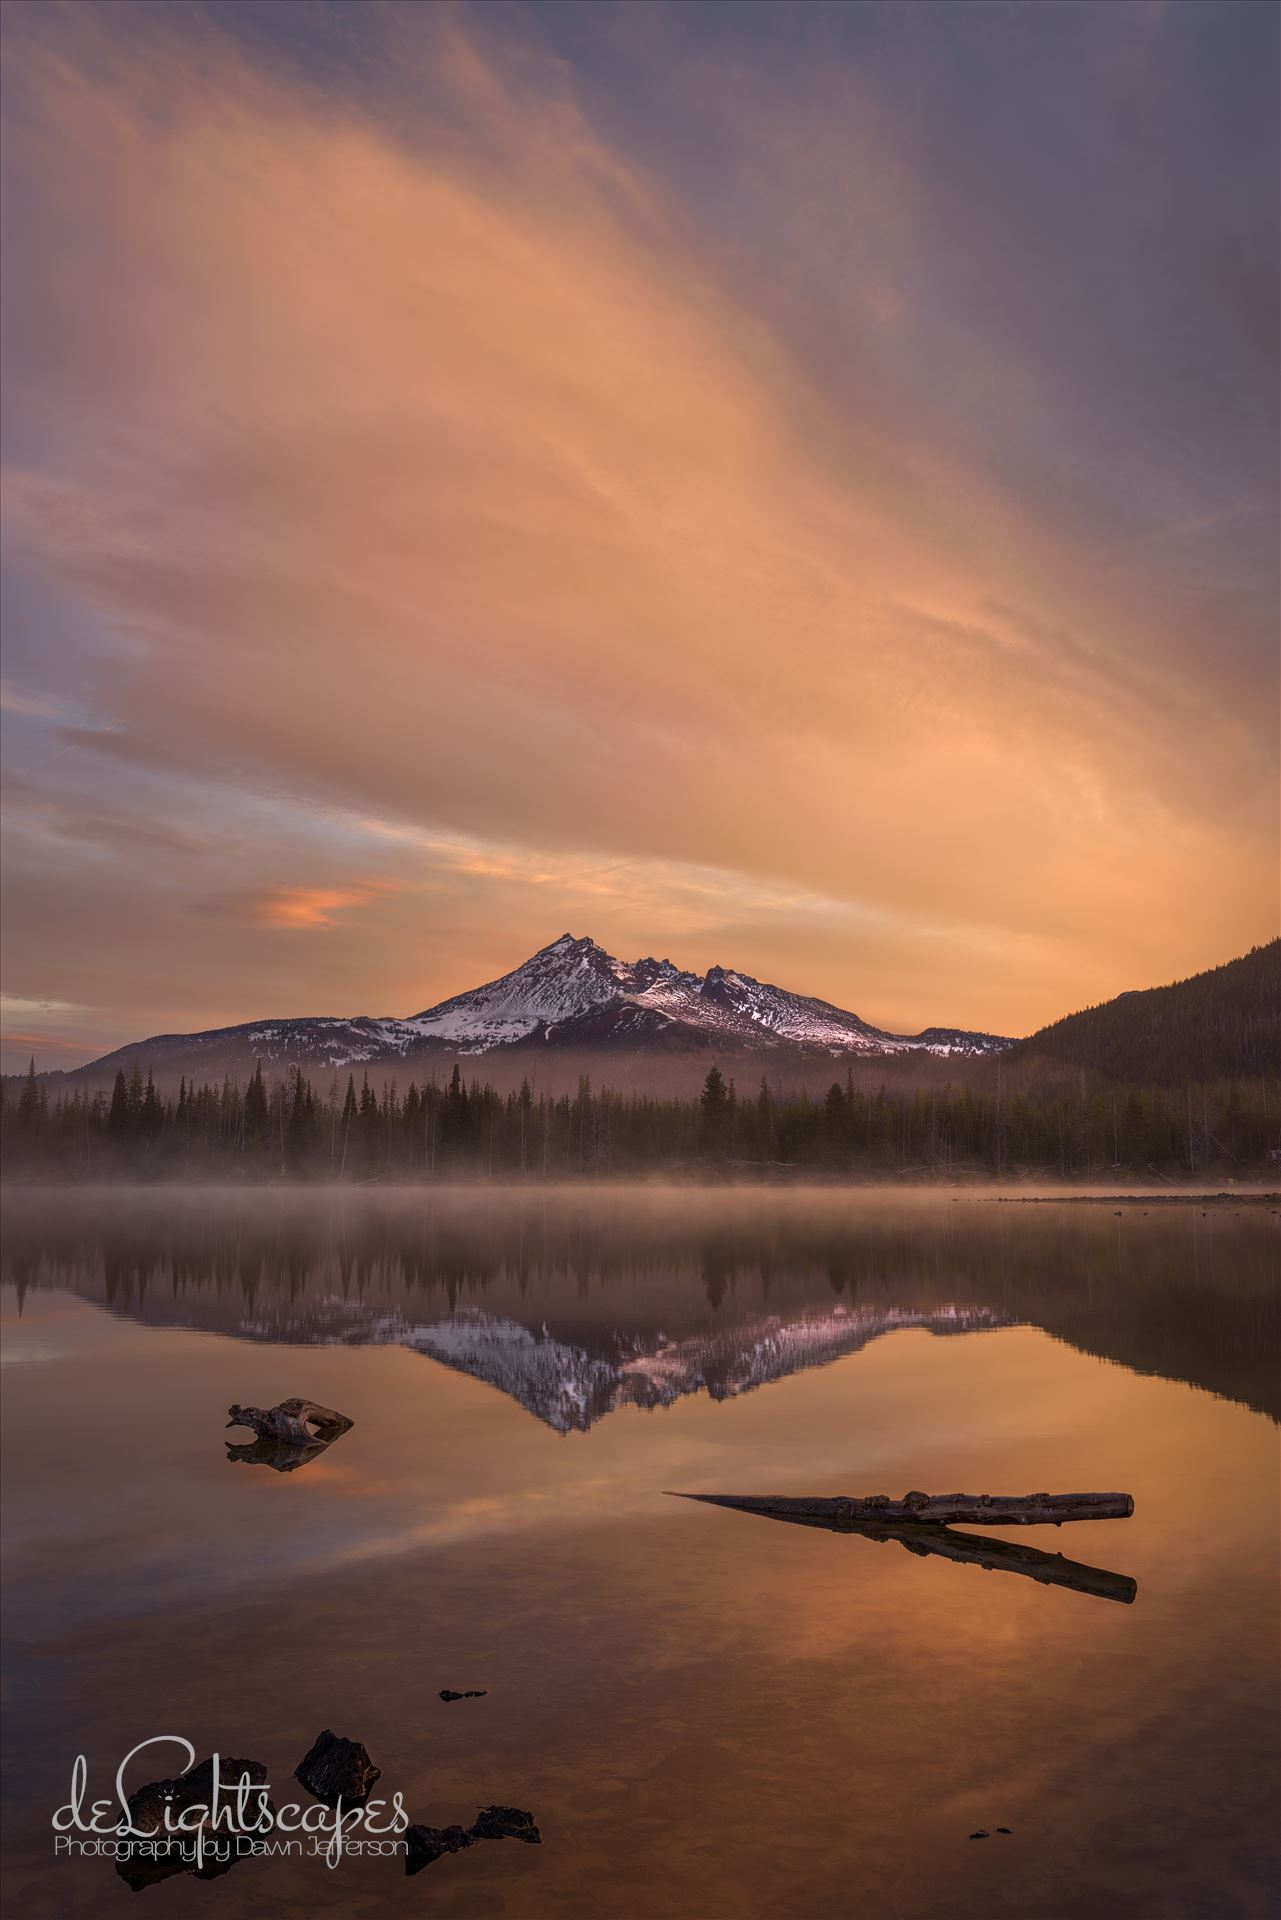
<point>984,1193</point>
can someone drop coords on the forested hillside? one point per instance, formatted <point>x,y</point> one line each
<point>1222,1024</point>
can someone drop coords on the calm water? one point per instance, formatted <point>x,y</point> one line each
<point>709,1713</point>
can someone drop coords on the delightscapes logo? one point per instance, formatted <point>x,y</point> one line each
<point>210,1815</point>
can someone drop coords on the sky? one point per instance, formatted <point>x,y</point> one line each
<point>788,486</point>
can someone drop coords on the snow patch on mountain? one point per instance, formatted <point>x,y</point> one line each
<point>574,979</point>
<point>570,1385</point>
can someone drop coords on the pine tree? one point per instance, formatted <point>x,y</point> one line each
<point>715,1103</point>
<point>118,1114</point>
<point>256,1107</point>
<point>300,1109</point>
<point>29,1100</point>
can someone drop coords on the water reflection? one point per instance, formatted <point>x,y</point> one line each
<point>967,1549</point>
<point>279,1455</point>
<point>579,1304</point>
<point>709,1715</point>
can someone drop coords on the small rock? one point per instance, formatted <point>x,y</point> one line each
<point>194,1788</point>
<point>147,1807</point>
<point>337,1769</point>
<point>425,1844</point>
<point>468,1693</point>
<point>1005,1829</point>
<point>982,1834</point>
<point>506,1823</point>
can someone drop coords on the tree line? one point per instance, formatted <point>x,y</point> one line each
<point>289,1128</point>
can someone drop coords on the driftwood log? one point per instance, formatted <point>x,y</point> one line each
<point>842,1512</point>
<point>930,1537</point>
<point>294,1423</point>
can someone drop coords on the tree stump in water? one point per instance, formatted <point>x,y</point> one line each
<point>294,1423</point>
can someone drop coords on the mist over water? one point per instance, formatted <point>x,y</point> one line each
<point>692,1701</point>
<point>649,1270</point>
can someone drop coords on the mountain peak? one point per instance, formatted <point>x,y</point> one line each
<point>575,993</point>
<point>569,994</point>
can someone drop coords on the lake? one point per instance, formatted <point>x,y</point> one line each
<point>708,1712</point>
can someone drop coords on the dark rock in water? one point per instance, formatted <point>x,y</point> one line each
<point>337,1769</point>
<point>425,1844</point>
<point>506,1823</point>
<point>149,1804</point>
<point>1005,1829</point>
<point>982,1834</point>
<point>468,1693</point>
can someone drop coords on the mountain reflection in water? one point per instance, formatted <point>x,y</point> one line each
<point>709,1714</point>
<point>577,1303</point>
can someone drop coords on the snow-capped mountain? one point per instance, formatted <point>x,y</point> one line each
<point>571,994</point>
<point>571,1371</point>
<point>570,1387</point>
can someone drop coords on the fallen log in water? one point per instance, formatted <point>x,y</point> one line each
<point>295,1423</point>
<point>1001,1556</point>
<point>841,1511</point>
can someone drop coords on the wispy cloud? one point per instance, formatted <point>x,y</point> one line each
<point>300,909</point>
<point>750,547</point>
<point>57,1032</point>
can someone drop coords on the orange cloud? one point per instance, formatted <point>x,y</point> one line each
<point>305,908</point>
